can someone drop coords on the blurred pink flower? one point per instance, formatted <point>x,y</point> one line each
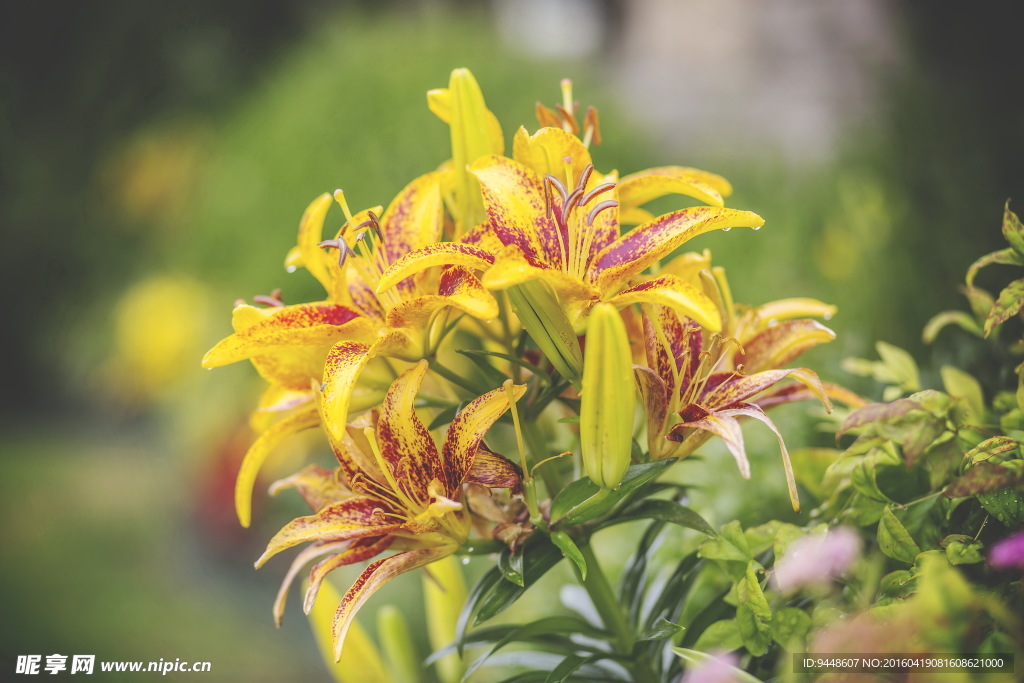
<point>718,668</point>
<point>1008,553</point>
<point>816,559</point>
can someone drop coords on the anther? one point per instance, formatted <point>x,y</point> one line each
<point>598,208</point>
<point>600,189</point>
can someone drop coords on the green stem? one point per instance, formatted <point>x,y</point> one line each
<point>607,603</point>
<point>441,370</point>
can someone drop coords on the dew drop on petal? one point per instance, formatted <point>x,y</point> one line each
<point>290,269</point>
<point>827,316</point>
<point>757,227</point>
<point>772,322</point>
<point>465,560</point>
<point>726,229</point>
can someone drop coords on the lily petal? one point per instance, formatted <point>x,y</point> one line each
<point>512,267</point>
<point>308,252</point>
<point>758,414</point>
<point>257,455</point>
<point>341,370</point>
<point>360,550</point>
<point>467,430</point>
<point>646,244</point>
<point>358,517</point>
<point>544,151</point>
<point>675,293</point>
<point>439,254</point>
<point>275,402</point>
<point>372,578</point>
<point>457,288</point>
<point>317,485</point>
<point>306,555</point>
<point>799,392</point>
<point>493,470</point>
<point>740,388</point>
<point>655,394</point>
<point>778,345</point>
<point>721,424</point>
<point>316,324</point>
<point>406,446</point>
<point>414,218</point>
<point>637,189</point>
<point>514,199</point>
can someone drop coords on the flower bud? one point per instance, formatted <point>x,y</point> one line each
<point>545,321</point>
<point>444,592</point>
<point>475,132</point>
<point>606,410</point>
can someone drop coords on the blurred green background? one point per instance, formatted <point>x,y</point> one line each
<point>155,159</point>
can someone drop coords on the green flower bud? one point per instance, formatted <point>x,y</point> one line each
<point>607,398</point>
<point>545,321</point>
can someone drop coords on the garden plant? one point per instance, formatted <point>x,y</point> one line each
<point>513,357</point>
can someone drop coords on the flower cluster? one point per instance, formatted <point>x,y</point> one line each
<point>497,298</point>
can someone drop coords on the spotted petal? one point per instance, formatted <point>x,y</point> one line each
<point>637,189</point>
<point>655,393</point>
<point>646,244</point>
<point>544,152</point>
<point>357,517</point>
<point>414,218</point>
<point>316,324</point>
<point>407,448</point>
<point>257,455</point>
<point>305,556</point>
<point>372,578</point>
<point>742,387</point>
<point>344,363</point>
<point>467,430</point>
<point>781,343</point>
<point>493,471</point>
<point>457,288</point>
<point>722,424</point>
<point>360,550</point>
<point>439,254</point>
<point>514,199</point>
<point>511,267</point>
<point>674,293</point>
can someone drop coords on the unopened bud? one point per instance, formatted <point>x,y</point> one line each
<point>606,410</point>
<point>545,321</point>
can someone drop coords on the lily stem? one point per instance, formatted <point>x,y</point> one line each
<point>606,602</point>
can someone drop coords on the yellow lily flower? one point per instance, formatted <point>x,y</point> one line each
<point>697,384</point>
<point>394,488</point>
<point>556,219</point>
<point>288,345</point>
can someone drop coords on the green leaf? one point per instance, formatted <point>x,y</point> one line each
<point>1007,506</point>
<point>665,511</point>
<point>480,589</point>
<point>962,549</point>
<point>756,634</point>
<point>946,318</point>
<point>695,658</point>
<point>751,595</point>
<point>492,376</point>
<point>511,565</point>
<point>985,477</point>
<point>539,556</point>
<point>723,635</point>
<point>582,500</point>
<point>900,365</point>
<point>894,540</point>
<point>961,385</point>
<point>444,417</point>
<point>539,373</point>
<point>1010,257</point>
<point>668,602</point>
<point>1009,304</point>
<point>989,448</point>
<point>981,302</point>
<point>568,666</point>
<point>1013,231</point>
<point>898,584</point>
<point>730,546</point>
<point>547,626</point>
<point>901,485</point>
<point>790,626</point>
<point>570,550</point>
<point>661,630</point>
